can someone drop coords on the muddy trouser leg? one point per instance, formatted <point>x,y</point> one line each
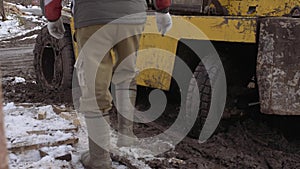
<point>98,156</point>
<point>94,80</point>
<point>125,101</point>
<point>125,84</point>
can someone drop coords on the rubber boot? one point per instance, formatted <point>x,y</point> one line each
<point>125,105</point>
<point>98,156</point>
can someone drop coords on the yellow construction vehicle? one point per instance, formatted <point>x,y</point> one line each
<point>257,41</point>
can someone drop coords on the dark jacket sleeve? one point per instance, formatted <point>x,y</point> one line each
<point>52,9</point>
<point>162,5</point>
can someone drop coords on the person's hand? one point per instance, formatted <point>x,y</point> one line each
<point>163,22</point>
<point>56,29</point>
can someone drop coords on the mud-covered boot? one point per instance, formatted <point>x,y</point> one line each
<point>125,97</point>
<point>97,157</point>
<point>126,137</point>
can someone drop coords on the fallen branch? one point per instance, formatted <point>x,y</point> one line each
<point>41,132</point>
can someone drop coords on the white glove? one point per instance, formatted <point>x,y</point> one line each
<point>56,29</point>
<point>163,22</point>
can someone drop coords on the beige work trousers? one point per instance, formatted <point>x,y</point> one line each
<point>95,66</point>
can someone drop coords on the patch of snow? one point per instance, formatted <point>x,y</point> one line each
<point>35,19</point>
<point>9,106</point>
<point>19,120</point>
<point>58,150</point>
<point>18,32</point>
<point>47,162</point>
<point>10,27</point>
<point>118,166</point>
<point>29,37</point>
<point>13,26</point>
<point>19,80</point>
<point>14,80</point>
<point>143,150</point>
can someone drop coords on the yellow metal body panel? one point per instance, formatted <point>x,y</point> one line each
<point>155,61</point>
<point>75,47</point>
<point>228,29</point>
<point>157,57</point>
<point>157,54</point>
<point>215,28</point>
<point>263,7</point>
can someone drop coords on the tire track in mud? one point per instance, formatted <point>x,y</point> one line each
<point>244,142</point>
<point>17,62</point>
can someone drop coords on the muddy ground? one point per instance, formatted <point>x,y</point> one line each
<point>253,140</point>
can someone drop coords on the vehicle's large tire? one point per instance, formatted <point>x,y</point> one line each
<point>204,88</point>
<point>54,60</point>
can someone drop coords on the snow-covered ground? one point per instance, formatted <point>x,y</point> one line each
<point>24,129</point>
<point>20,120</point>
<point>14,25</point>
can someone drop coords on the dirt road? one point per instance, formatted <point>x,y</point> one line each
<point>17,61</point>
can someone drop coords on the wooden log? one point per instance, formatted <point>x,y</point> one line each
<point>76,122</point>
<point>71,117</point>
<point>29,105</point>
<point>58,109</point>
<point>66,115</point>
<point>3,150</point>
<point>41,115</point>
<point>41,132</point>
<point>65,156</point>
<point>22,148</point>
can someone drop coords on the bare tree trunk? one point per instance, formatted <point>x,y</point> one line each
<point>3,150</point>
<point>2,11</point>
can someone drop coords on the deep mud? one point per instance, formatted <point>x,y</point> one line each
<point>32,93</point>
<point>251,141</point>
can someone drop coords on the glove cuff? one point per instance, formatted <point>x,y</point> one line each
<point>57,20</point>
<point>166,10</point>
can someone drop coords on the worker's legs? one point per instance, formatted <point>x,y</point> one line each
<point>124,79</point>
<point>94,80</point>
<point>94,77</point>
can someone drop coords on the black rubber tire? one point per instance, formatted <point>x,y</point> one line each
<point>54,60</point>
<point>204,88</point>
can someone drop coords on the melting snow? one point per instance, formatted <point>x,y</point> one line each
<point>10,27</point>
<point>21,119</point>
<point>19,80</point>
<point>14,25</point>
